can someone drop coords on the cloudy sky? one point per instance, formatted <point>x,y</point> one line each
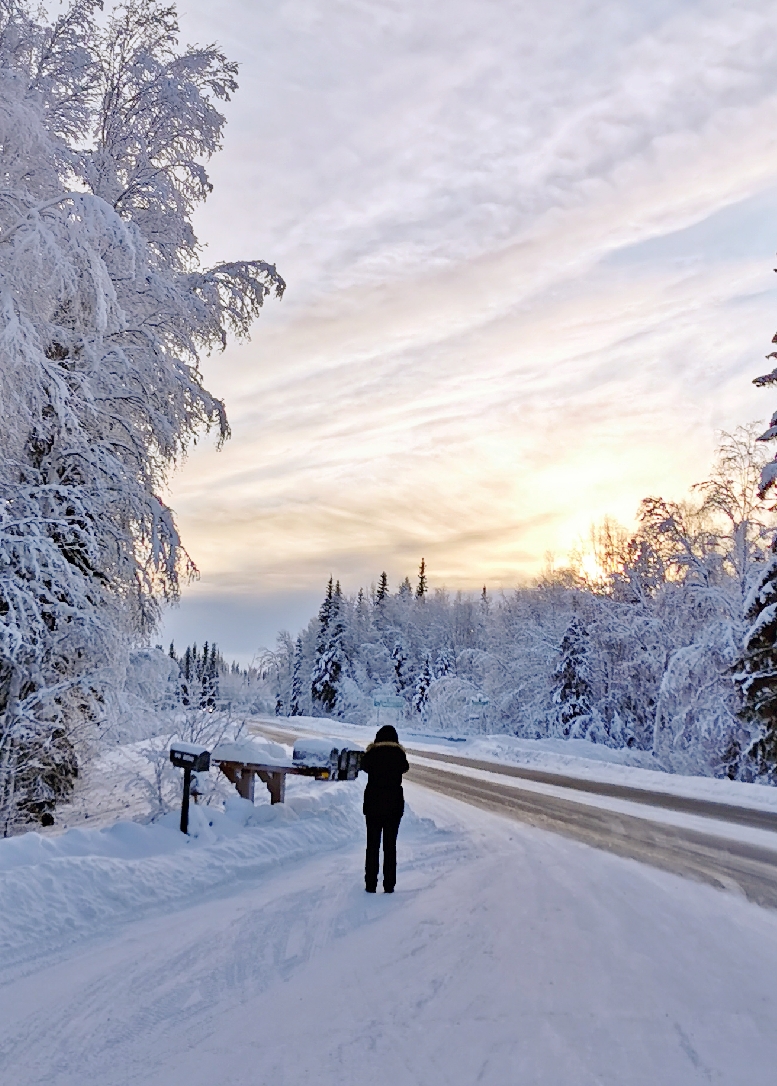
<point>529,250</point>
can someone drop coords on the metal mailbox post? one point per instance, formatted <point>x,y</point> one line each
<point>191,759</point>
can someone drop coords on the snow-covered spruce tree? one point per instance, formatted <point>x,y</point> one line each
<point>297,689</point>
<point>756,676</point>
<point>383,589</point>
<point>211,666</point>
<point>400,662</point>
<point>443,665</point>
<point>423,683</point>
<point>572,693</point>
<point>104,313</point>
<point>329,651</point>
<point>422,586</point>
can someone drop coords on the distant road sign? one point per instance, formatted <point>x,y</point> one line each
<point>388,702</point>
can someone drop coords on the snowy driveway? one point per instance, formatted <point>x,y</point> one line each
<point>507,956</point>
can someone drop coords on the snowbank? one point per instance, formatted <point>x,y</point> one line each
<point>55,890</point>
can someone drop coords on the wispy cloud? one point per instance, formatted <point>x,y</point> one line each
<point>528,249</point>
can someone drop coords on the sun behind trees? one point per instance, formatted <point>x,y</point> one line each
<point>104,131</point>
<point>632,645</point>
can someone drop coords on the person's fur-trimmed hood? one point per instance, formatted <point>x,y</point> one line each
<point>385,743</point>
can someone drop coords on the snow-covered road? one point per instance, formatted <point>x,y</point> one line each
<point>727,845</point>
<point>507,956</point>
<point>706,797</point>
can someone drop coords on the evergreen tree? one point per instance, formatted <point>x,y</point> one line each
<point>361,619</point>
<point>328,665</point>
<point>422,585</point>
<point>337,620</point>
<point>399,658</point>
<point>210,678</point>
<point>405,590</point>
<point>201,665</point>
<point>756,674</point>
<point>295,707</point>
<point>443,664</point>
<point>424,681</point>
<point>383,589</point>
<point>187,674</point>
<point>572,694</point>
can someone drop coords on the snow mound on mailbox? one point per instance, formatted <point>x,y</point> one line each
<point>252,752</point>
<point>314,753</point>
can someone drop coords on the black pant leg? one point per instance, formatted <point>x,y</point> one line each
<point>390,831</point>
<point>372,862</point>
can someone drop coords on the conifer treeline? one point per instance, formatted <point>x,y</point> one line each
<point>667,648</point>
<point>199,675</point>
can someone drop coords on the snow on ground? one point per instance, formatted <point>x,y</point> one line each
<point>507,955</point>
<point>55,890</point>
<point>573,758</point>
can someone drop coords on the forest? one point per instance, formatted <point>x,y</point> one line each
<point>659,639</point>
<point>640,640</point>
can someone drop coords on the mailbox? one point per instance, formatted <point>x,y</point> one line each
<point>191,759</point>
<point>320,754</point>
<point>328,759</point>
<point>190,756</point>
<point>349,764</point>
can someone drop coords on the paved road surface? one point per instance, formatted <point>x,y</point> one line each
<point>721,861</point>
<point>727,812</point>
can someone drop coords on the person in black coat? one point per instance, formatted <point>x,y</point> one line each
<point>384,762</point>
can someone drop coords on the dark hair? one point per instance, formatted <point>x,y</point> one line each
<point>387,734</point>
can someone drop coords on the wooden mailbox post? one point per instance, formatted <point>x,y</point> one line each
<point>242,776</point>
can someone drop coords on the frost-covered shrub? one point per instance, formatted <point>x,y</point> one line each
<point>696,719</point>
<point>572,679</point>
<point>451,705</point>
<point>153,678</point>
<point>161,781</point>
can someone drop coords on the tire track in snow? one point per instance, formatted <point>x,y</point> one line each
<point>705,808</point>
<point>722,862</point>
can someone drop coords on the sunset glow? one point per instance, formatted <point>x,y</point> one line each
<point>529,256</point>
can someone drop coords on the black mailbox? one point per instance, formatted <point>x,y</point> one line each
<point>348,764</point>
<point>191,759</point>
<point>189,756</point>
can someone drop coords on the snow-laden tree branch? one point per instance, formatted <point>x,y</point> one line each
<point>105,131</point>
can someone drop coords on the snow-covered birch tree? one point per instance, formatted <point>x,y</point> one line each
<point>105,311</point>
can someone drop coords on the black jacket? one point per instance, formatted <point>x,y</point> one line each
<point>384,764</point>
